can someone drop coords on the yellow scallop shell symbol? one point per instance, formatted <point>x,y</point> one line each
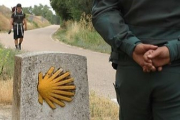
<point>55,87</point>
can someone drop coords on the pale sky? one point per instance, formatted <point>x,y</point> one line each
<point>24,3</point>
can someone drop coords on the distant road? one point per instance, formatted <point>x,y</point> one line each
<point>101,76</point>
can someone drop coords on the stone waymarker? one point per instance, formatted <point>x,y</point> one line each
<point>30,68</point>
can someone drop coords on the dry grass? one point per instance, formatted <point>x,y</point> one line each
<point>82,34</point>
<point>102,108</point>
<point>4,20</point>
<point>6,91</point>
<point>30,26</point>
<point>40,21</point>
<point>73,29</point>
<point>37,22</point>
<point>86,22</point>
<point>5,15</point>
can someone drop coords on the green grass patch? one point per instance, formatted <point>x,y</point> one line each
<point>7,63</point>
<point>82,38</point>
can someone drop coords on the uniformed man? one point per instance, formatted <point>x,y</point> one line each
<point>144,36</point>
<point>18,23</point>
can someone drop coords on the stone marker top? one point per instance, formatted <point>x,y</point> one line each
<point>28,54</point>
<point>25,93</point>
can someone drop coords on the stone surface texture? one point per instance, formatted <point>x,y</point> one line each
<point>25,94</point>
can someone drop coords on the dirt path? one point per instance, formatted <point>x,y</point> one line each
<point>101,76</point>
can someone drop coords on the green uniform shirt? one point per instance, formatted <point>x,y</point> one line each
<point>125,23</point>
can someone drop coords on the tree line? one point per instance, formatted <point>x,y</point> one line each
<point>65,10</point>
<point>71,9</point>
<point>44,11</point>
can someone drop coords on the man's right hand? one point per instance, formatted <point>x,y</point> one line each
<point>138,54</point>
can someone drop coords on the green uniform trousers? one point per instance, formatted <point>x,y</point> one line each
<point>148,96</point>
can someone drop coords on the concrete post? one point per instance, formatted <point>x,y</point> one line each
<point>25,94</point>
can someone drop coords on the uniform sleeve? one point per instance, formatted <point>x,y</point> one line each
<point>108,21</point>
<point>174,49</point>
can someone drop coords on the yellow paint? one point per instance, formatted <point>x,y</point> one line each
<point>55,87</point>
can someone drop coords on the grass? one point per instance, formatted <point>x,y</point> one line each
<point>6,91</point>
<point>5,15</point>
<point>76,34</point>
<point>4,22</point>
<point>6,74</point>
<point>102,108</point>
<point>7,63</point>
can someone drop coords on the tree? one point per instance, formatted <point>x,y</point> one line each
<point>44,11</point>
<point>37,10</point>
<point>27,10</point>
<point>71,9</point>
<point>61,8</point>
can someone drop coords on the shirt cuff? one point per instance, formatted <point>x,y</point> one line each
<point>128,45</point>
<point>174,49</point>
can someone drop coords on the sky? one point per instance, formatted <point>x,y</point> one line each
<point>24,3</point>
